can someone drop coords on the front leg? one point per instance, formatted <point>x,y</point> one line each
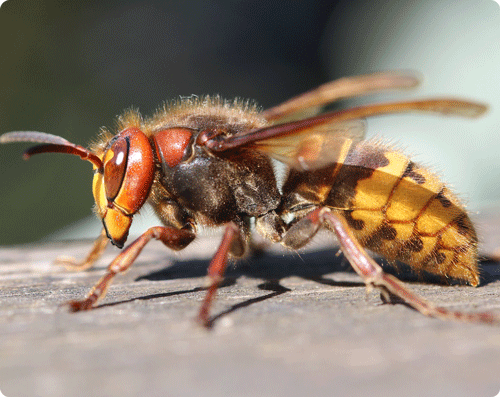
<point>95,253</point>
<point>175,239</point>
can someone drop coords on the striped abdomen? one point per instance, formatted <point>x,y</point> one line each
<point>395,207</point>
<point>404,212</point>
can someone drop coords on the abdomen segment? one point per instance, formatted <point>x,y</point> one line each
<point>403,212</point>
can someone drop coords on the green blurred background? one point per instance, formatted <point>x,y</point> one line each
<point>70,67</point>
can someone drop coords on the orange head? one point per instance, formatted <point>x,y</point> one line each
<point>123,174</point>
<point>121,186</point>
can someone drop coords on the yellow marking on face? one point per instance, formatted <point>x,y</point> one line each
<point>108,156</point>
<point>99,194</point>
<point>117,223</point>
<point>374,191</point>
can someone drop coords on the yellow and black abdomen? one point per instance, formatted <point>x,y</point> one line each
<point>403,212</point>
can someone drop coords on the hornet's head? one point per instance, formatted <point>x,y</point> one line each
<point>123,173</point>
<point>121,185</point>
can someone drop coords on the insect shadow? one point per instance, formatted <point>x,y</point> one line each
<point>312,266</point>
<point>272,268</point>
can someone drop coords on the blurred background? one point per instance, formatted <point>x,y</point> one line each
<point>68,68</point>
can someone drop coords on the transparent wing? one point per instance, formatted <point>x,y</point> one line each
<point>317,141</point>
<point>310,103</point>
<point>315,147</point>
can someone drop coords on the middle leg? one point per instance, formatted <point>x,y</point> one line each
<point>216,271</point>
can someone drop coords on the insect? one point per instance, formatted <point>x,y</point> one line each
<point>207,161</point>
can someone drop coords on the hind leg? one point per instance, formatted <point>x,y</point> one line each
<point>372,274</point>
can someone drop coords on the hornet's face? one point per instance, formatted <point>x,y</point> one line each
<point>121,186</point>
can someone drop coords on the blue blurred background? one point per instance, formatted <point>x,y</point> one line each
<point>70,67</point>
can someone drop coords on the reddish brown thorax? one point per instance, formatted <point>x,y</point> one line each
<point>171,144</point>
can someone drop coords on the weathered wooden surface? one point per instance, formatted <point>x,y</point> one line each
<point>288,325</point>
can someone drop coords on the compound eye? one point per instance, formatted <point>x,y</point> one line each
<point>115,166</point>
